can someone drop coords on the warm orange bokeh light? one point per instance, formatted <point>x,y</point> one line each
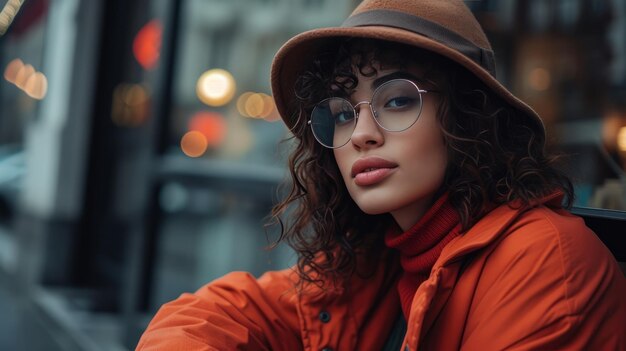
<point>194,144</point>
<point>147,44</point>
<point>540,79</point>
<point>621,139</point>
<point>10,73</point>
<point>241,103</point>
<point>257,105</point>
<point>254,105</point>
<point>131,105</point>
<point>25,77</point>
<point>36,86</point>
<point>270,113</point>
<point>211,125</point>
<point>23,74</point>
<point>135,95</point>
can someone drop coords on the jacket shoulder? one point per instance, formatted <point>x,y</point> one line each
<point>560,238</point>
<point>557,245</point>
<point>554,277</point>
<point>236,311</point>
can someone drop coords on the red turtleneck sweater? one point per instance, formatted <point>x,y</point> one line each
<point>421,245</point>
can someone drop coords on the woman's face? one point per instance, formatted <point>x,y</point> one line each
<point>393,172</point>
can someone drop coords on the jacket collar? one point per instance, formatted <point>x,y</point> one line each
<point>490,227</point>
<point>437,289</point>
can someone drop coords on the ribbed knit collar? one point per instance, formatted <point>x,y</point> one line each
<point>421,245</point>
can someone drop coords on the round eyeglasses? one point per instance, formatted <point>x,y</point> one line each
<point>396,105</point>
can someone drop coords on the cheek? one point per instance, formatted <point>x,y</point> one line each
<point>439,155</point>
<point>429,155</point>
<point>439,164</point>
<point>432,162</point>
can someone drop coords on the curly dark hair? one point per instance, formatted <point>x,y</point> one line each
<point>495,156</point>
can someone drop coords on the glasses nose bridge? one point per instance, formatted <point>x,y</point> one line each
<point>357,108</point>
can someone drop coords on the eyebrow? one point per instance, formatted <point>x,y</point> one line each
<point>395,75</point>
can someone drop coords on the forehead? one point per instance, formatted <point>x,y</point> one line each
<point>381,61</point>
<point>374,76</point>
<point>376,71</point>
<point>357,67</point>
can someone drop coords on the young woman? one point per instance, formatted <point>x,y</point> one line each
<point>428,214</point>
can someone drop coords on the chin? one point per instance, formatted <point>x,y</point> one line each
<point>373,211</point>
<point>374,208</point>
<point>374,201</point>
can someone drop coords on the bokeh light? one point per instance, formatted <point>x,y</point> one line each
<point>257,105</point>
<point>270,112</point>
<point>26,78</point>
<point>36,86</point>
<point>211,124</point>
<point>539,79</point>
<point>241,103</point>
<point>254,106</point>
<point>131,104</point>
<point>621,139</point>
<point>193,144</point>
<point>216,87</point>
<point>23,74</point>
<point>147,44</point>
<point>10,72</point>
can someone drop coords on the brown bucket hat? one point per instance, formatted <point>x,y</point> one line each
<point>446,27</point>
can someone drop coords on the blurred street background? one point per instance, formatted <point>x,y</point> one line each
<point>140,149</point>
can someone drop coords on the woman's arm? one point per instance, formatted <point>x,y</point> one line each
<point>235,312</point>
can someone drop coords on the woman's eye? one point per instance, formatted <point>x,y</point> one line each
<point>343,117</point>
<point>399,102</point>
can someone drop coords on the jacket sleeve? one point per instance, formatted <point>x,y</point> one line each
<point>549,285</point>
<point>235,312</point>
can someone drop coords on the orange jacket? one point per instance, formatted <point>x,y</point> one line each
<point>518,280</point>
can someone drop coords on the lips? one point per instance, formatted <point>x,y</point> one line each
<point>371,170</point>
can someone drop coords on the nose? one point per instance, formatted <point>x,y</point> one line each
<point>367,133</point>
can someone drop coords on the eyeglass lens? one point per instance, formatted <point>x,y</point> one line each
<point>397,105</point>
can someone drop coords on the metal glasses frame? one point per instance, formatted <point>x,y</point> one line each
<point>374,112</point>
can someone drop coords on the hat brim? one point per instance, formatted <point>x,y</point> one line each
<point>291,59</point>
